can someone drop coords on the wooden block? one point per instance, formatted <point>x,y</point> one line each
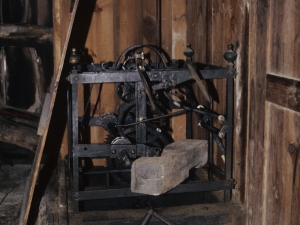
<point>157,175</point>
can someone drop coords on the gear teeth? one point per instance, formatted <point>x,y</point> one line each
<point>122,111</point>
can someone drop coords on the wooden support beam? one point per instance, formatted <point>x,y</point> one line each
<point>18,134</point>
<point>23,35</point>
<point>18,113</point>
<point>283,91</point>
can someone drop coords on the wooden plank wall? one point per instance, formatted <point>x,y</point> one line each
<point>265,34</point>
<point>212,26</point>
<point>272,171</point>
<point>281,196</point>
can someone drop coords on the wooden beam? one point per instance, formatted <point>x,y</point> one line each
<point>257,61</point>
<point>283,91</point>
<point>18,113</point>
<point>24,34</point>
<point>18,134</point>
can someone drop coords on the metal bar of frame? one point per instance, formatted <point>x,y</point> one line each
<point>126,192</point>
<point>133,76</point>
<point>69,124</point>
<point>140,108</point>
<point>75,140</point>
<point>229,135</point>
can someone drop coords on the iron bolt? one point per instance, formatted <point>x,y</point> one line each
<point>221,118</point>
<point>113,151</point>
<point>221,135</point>
<point>132,151</point>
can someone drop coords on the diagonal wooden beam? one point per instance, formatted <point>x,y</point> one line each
<point>31,181</point>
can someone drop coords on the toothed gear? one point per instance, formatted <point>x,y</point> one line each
<point>120,141</point>
<point>109,118</point>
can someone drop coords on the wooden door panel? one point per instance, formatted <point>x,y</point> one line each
<point>282,166</point>
<point>284,31</point>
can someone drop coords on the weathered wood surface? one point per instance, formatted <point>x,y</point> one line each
<point>11,190</point>
<point>284,37</point>
<point>239,34</point>
<point>283,91</point>
<point>230,213</point>
<point>28,193</point>
<point>282,174</point>
<point>179,26</point>
<point>273,44</point>
<point>212,25</point>
<point>25,35</point>
<point>157,175</point>
<point>258,17</point>
<point>19,113</point>
<point>12,31</point>
<point>18,134</point>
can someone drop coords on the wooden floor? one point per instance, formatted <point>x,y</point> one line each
<point>50,204</point>
<point>13,179</point>
<point>217,213</point>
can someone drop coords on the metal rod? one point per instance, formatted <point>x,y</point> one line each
<point>158,30</point>
<point>182,188</point>
<point>163,219</point>
<point>229,136</point>
<point>147,218</point>
<point>107,180</point>
<point>156,118</point>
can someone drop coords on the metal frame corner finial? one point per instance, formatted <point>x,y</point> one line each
<point>188,52</point>
<point>230,56</point>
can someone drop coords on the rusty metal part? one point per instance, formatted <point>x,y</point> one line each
<point>151,213</point>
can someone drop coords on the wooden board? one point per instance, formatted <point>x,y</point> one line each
<point>283,91</point>
<point>239,38</point>
<point>258,26</point>
<point>179,26</point>
<point>281,159</point>
<point>284,38</point>
<point>31,181</point>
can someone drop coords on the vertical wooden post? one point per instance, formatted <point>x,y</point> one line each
<point>179,28</point>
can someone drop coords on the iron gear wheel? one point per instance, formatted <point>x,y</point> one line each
<point>108,119</point>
